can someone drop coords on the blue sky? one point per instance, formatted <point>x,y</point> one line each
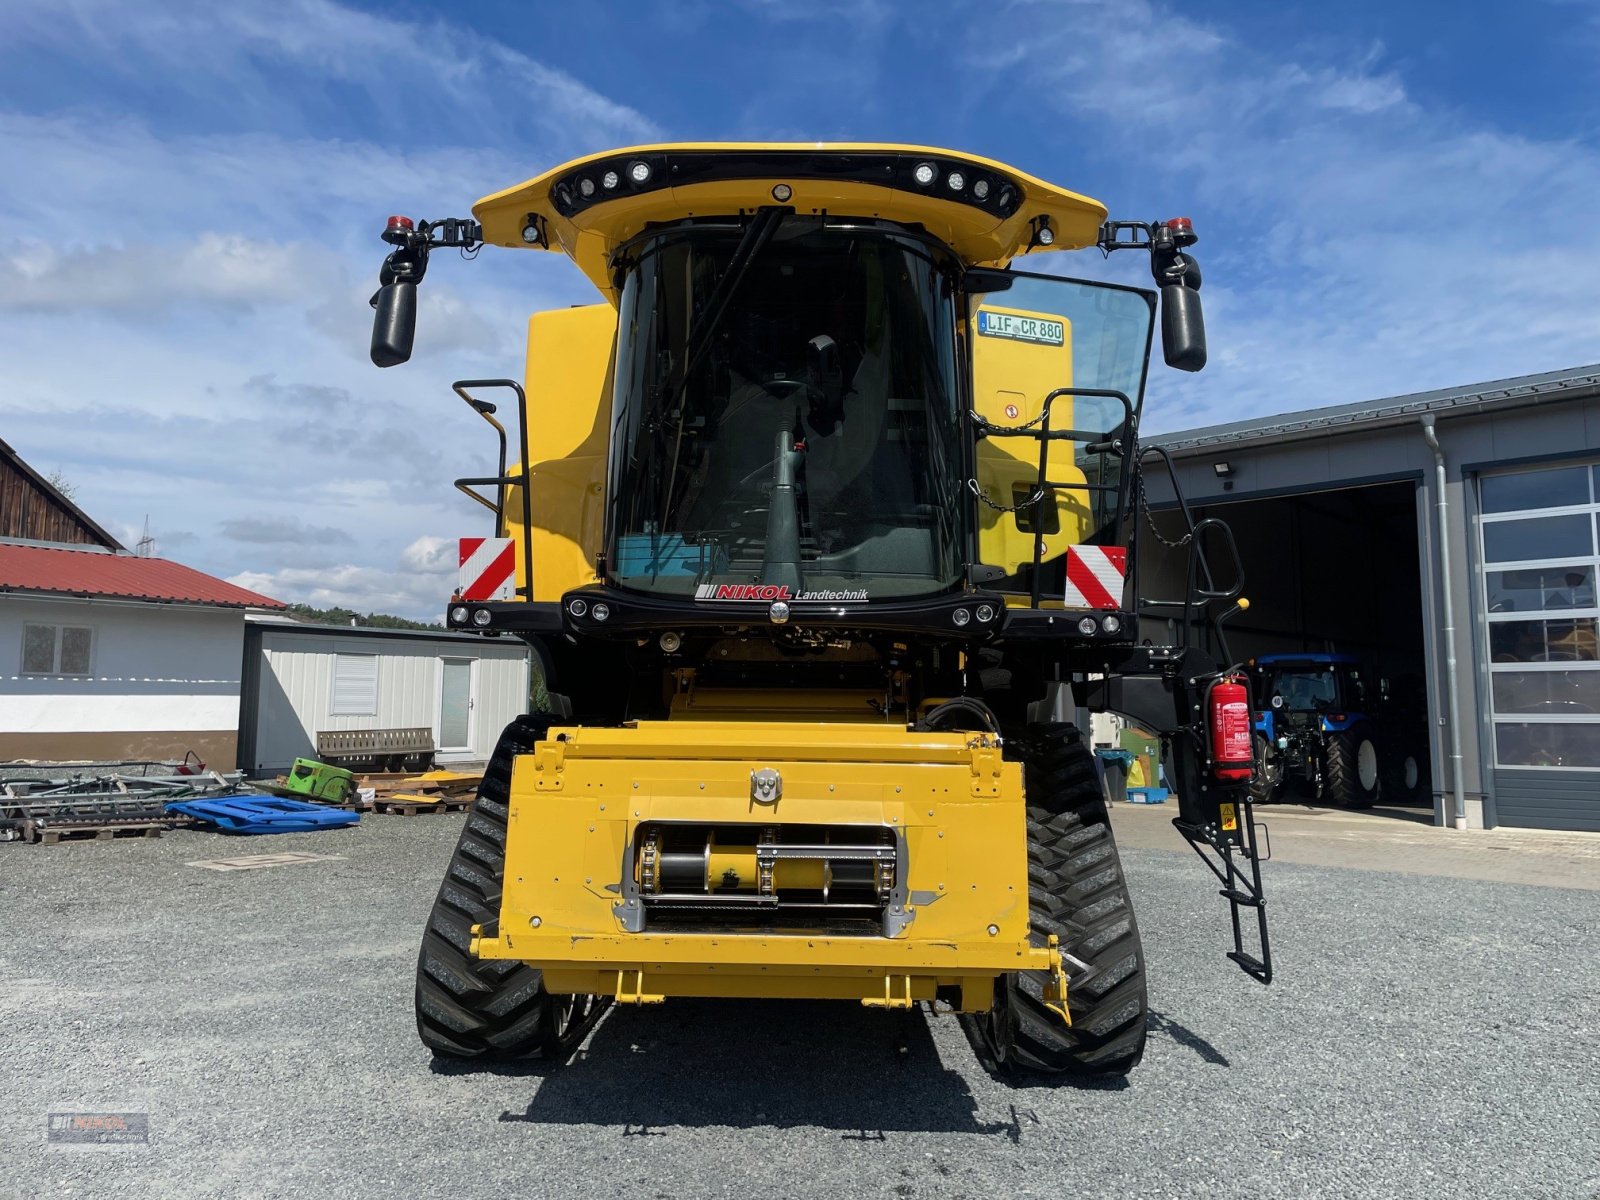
<point>1390,197</point>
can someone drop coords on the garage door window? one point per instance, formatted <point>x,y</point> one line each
<point>1538,534</point>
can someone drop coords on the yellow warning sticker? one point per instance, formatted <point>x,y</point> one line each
<point>1230,818</point>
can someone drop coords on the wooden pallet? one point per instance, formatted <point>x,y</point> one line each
<point>50,835</point>
<point>410,808</point>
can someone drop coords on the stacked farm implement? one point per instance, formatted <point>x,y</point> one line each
<point>101,802</point>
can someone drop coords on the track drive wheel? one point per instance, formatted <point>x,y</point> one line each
<point>1076,891</point>
<point>494,1009</point>
<point>1353,768</point>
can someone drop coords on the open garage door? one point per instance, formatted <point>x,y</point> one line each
<point>1335,625</point>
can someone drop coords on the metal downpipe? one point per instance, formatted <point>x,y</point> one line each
<point>1459,801</point>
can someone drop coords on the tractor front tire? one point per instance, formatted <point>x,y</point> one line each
<point>1353,768</point>
<point>1076,890</point>
<point>472,1008</point>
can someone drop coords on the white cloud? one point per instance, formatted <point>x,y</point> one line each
<point>430,556</point>
<point>1356,242</point>
<point>186,313</point>
<point>364,589</point>
<point>226,270</point>
<point>232,56</point>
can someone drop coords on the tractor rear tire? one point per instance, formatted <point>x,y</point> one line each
<point>471,1008</point>
<point>1268,774</point>
<point>1353,768</point>
<point>1076,890</point>
<point>1405,776</point>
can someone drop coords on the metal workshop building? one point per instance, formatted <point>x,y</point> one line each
<point>1449,535</point>
<point>301,680</point>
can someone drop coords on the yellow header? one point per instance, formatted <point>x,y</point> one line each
<point>985,211</point>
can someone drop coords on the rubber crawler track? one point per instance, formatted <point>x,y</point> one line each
<point>473,1008</point>
<point>1076,890</point>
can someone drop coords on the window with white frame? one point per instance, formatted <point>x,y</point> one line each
<point>57,649</point>
<point>1541,566</point>
<point>355,685</point>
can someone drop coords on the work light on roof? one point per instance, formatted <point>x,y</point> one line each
<point>925,173</point>
<point>639,172</point>
<point>586,187</point>
<point>610,180</point>
<point>980,189</point>
<point>955,181</point>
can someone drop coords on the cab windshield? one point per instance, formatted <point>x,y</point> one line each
<point>785,413</point>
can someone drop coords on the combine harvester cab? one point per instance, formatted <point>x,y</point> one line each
<point>822,526</point>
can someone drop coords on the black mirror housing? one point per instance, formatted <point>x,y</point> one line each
<point>1183,327</point>
<point>394,323</point>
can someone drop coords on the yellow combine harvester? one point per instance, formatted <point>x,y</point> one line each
<point>822,532</point>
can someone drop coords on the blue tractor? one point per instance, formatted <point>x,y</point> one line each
<point>1318,720</point>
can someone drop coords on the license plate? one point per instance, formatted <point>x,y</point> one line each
<point>1021,329</point>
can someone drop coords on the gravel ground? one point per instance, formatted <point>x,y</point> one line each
<point>1425,1037</point>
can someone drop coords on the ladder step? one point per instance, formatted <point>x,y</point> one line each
<point>1253,966</point>
<point>1243,898</point>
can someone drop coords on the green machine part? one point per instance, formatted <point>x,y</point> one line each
<point>319,781</point>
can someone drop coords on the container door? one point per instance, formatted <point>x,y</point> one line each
<point>455,704</point>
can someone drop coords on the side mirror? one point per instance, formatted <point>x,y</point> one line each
<point>1183,327</point>
<point>394,323</point>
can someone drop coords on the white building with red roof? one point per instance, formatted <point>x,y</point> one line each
<point>105,655</point>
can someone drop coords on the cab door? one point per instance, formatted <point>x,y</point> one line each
<point>1041,334</point>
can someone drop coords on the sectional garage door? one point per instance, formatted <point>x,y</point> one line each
<point>1539,564</point>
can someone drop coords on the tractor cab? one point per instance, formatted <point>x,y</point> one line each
<point>1295,692</point>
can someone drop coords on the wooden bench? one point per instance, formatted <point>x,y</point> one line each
<point>385,749</point>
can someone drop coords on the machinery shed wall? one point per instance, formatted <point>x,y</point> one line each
<point>294,695</point>
<point>1538,423</point>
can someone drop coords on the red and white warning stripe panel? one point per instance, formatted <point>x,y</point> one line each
<point>488,569</point>
<point>1094,576</point>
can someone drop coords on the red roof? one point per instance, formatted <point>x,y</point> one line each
<point>84,573</point>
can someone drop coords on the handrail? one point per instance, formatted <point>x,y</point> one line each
<point>1043,486</point>
<point>486,410</point>
<point>1197,593</point>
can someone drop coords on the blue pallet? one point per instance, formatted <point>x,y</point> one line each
<point>264,814</point>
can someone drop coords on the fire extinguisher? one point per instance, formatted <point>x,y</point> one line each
<point>1228,703</point>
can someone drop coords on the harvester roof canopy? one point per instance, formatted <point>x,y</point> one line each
<point>986,212</point>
